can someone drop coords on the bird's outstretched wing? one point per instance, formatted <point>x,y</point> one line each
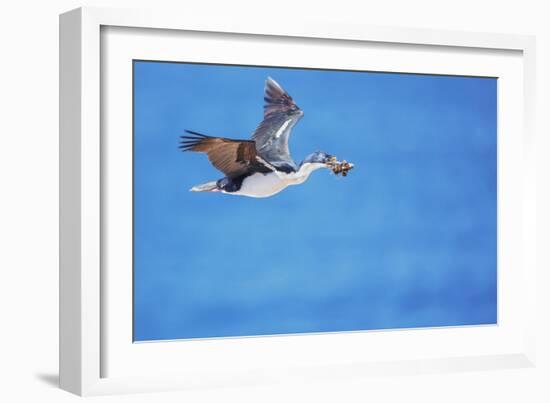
<point>233,157</point>
<point>280,115</point>
<point>276,99</point>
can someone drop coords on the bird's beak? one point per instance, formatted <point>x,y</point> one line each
<point>331,161</point>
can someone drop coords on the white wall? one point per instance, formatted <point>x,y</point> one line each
<point>28,205</point>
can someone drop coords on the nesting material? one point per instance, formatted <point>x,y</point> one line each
<point>340,167</point>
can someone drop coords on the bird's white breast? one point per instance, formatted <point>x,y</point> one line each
<point>260,185</point>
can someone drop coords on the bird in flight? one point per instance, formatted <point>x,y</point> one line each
<point>261,166</point>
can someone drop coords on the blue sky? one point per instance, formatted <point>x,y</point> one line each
<point>408,239</point>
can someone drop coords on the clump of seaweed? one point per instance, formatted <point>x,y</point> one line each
<point>340,167</point>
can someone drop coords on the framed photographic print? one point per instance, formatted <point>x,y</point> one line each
<point>247,203</point>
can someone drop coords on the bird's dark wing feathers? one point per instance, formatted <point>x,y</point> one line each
<point>276,99</point>
<point>234,158</point>
<point>280,115</point>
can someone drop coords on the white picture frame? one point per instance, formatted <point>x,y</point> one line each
<point>88,340</point>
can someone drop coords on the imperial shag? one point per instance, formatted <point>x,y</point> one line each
<point>261,166</point>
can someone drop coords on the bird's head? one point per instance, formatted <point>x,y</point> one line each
<point>318,159</point>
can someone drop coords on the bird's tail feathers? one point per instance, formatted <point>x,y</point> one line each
<point>206,187</point>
